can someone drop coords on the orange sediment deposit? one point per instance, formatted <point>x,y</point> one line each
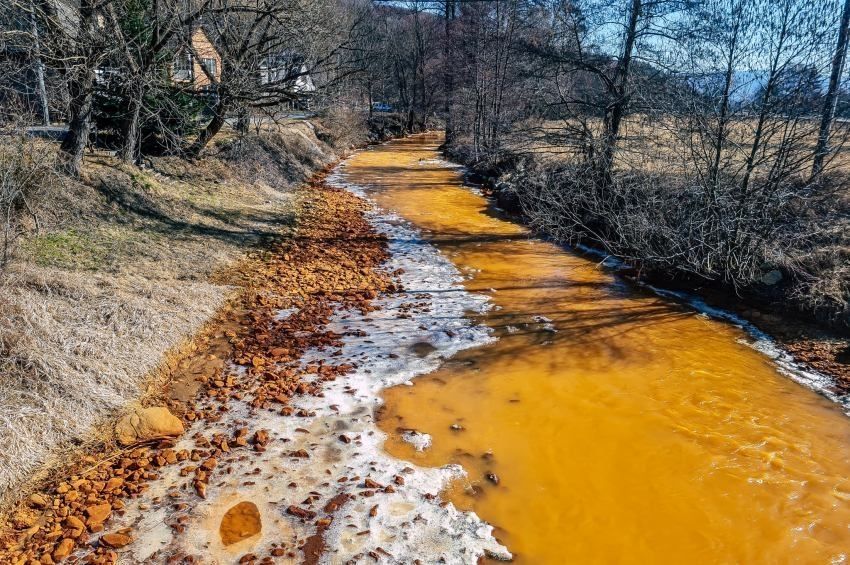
<point>248,353</point>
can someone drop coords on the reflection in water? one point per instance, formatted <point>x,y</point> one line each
<point>606,424</point>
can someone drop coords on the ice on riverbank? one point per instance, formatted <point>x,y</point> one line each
<point>384,345</point>
<point>418,440</point>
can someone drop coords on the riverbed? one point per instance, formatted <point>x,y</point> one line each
<point>605,423</point>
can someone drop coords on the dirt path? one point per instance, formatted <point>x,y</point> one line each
<point>280,461</point>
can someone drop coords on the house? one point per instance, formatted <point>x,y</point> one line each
<point>287,71</point>
<point>194,66</point>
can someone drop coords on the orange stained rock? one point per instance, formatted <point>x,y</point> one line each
<point>241,522</point>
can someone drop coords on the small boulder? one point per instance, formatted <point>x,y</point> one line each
<point>98,513</point>
<point>240,522</point>
<point>771,277</point>
<point>74,523</point>
<point>37,501</point>
<point>63,549</point>
<point>147,423</point>
<point>115,540</point>
<point>843,356</point>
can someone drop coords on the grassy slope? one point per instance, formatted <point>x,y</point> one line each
<point>122,271</point>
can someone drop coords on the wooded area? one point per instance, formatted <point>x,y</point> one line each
<point>703,138</point>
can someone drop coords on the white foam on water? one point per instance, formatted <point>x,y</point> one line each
<point>441,163</point>
<point>341,438</point>
<point>420,441</point>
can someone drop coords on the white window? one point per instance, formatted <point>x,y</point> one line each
<point>183,66</point>
<point>210,65</point>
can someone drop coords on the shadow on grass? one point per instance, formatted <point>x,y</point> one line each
<point>245,227</point>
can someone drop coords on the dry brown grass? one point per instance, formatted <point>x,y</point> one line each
<point>651,144</point>
<point>120,273</point>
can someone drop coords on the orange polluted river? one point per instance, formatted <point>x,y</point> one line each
<point>620,426</point>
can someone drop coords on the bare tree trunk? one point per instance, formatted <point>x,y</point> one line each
<point>723,118</point>
<point>212,128</point>
<point>74,144</point>
<point>243,120</point>
<point>831,100</point>
<point>448,73</point>
<point>39,68</point>
<point>765,109</point>
<point>130,146</point>
<point>616,111</point>
<point>81,79</point>
<point>419,73</point>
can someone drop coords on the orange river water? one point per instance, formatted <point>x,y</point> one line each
<point>639,432</point>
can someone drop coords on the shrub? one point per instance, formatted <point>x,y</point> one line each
<point>26,172</point>
<point>168,117</point>
<point>780,244</point>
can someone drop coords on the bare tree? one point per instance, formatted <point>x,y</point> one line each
<point>449,15</point>
<point>41,88</point>
<point>266,46</point>
<point>830,103</point>
<point>148,34</point>
<point>78,47</point>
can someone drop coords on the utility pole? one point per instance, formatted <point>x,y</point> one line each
<point>831,101</point>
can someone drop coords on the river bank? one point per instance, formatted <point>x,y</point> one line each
<point>822,344</point>
<point>113,273</point>
<point>103,295</point>
<point>269,426</point>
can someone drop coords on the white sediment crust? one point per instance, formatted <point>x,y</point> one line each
<point>408,527</point>
<point>420,441</point>
<point>397,527</point>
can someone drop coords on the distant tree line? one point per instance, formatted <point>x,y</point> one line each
<point>484,66</point>
<point>481,66</point>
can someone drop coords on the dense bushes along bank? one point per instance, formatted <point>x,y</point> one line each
<point>787,248</point>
